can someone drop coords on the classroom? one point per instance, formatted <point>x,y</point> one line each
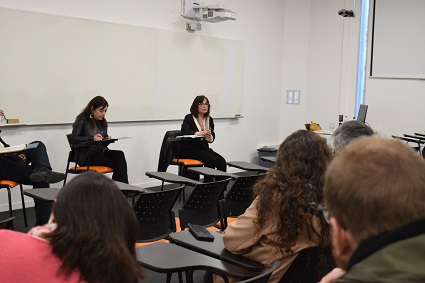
<point>287,45</point>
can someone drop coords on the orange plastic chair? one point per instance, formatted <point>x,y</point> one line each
<point>8,185</point>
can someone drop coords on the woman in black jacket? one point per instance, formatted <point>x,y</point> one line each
<point>91,125</point>
<point>199,123</point>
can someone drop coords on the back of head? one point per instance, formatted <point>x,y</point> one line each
<point>375,185</point>
<point>96,230</point>
<point>348,132</point>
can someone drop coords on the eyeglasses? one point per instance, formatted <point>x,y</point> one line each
<point>325,212</point>
<point>204,104</point>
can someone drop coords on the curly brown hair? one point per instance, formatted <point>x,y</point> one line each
<point>287,191</point>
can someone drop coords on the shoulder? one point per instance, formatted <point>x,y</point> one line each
<point>188,117</point>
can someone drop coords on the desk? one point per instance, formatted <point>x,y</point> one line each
<point>247,166</point>
<point>49,194</point>
<point>212,172</point>
<point>169,258</point>
<point>46,194</point>
<point>171,178</point>
<point>214,249</point>
<point>271,159</point>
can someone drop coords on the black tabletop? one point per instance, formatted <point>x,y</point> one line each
<point>46,194</point>
<point>212,172</point>
<point>170,258</point>
<point>247,166</point>
<point>171,178</point>
<point>214,249</point>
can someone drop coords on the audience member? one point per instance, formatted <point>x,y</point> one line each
<point>200,123</point>
<point>374,196</point>
<point>348,132</point>
<point>91,125</point>
<point>31,167</point>
<point>278,224</point>
<point>91,238</point>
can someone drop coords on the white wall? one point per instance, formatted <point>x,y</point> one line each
<point>289,44</point>
<point>259,26</point>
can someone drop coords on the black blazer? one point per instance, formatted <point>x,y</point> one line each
<point>189,128</point>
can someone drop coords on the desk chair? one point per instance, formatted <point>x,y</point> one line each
<point>169,154</point>
<point>238,198</point>
<point>305,267</point>
<point>417,140</point>
<point>264,277</point>
<point>201,207</point>
<point>7,223</point>
<point>154,212</point>
<point>8,185</point>
<point>75,169</point>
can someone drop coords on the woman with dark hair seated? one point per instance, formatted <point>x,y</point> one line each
<point>282,220</point>
<point>90,238</point>
<point>91,125</point>
<point>200,123</point>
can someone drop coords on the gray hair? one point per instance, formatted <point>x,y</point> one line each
<point>348,132</point>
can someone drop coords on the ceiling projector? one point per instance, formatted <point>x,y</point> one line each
<point>197,10</point>
<point>346,13</point>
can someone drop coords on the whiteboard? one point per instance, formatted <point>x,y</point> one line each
<point>398,47</point>
<point>51,66</point>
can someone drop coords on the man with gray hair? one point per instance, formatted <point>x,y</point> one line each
<point>348,132</point>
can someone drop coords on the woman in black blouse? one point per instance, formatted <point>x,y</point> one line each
<point>199,123</point>
<point>91,125</point>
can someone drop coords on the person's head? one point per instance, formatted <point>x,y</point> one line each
<point>96,109</point>
<point>373,186</point>
<point>348,132</point>
<point>96,230</point>
<point>291,185</point>
<point>200,105</point>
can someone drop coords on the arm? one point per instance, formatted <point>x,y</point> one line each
<point>188,126</point>
<point>78,134</point>
<point>241,235</point>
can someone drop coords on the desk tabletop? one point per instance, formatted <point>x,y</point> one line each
<point>131,188</point>
<point>212,172</point>
<point>214,249</point>
<point>170,258</point>
<point>46,194</point>
<point>247,166</point>
<point>171,178</point>
<point>271,159</point>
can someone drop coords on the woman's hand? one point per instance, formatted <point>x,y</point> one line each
<point>98,137</point>
<point>209,137</point>
<point>202,133</point>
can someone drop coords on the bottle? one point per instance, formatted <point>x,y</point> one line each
<point>345,118</point>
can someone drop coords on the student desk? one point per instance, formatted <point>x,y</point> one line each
<point>169,258</point>
<point>271,159</point>
<point>247,166</point>
<point>49,194</point>
<point>212,172</point>
<point>214,249</point>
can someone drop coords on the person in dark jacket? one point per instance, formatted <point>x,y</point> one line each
<point>200,123</point>
<point>374,198</point>
<point>91,125</point>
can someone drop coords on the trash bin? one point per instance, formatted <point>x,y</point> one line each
<point>266,151</point>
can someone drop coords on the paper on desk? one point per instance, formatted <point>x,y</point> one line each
<point>13,148</point>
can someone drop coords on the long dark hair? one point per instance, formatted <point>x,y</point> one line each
<point>96,231</point>
<point>96,102</point>
<point>195,103</point>
<point>286,192</point>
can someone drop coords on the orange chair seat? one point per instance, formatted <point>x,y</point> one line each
<point>188,162</point>
<point>8,183</point>
<point>100,169</point>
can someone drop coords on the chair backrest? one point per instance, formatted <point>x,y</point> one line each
<point>155,214</point>
<point>201,208</point>
<point>238,198</point>
<point>305,267</point>
<point>264,277</point>
<point>167,152</point>
<point>7,223</point>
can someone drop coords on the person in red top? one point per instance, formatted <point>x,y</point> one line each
<point>91,238</point>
